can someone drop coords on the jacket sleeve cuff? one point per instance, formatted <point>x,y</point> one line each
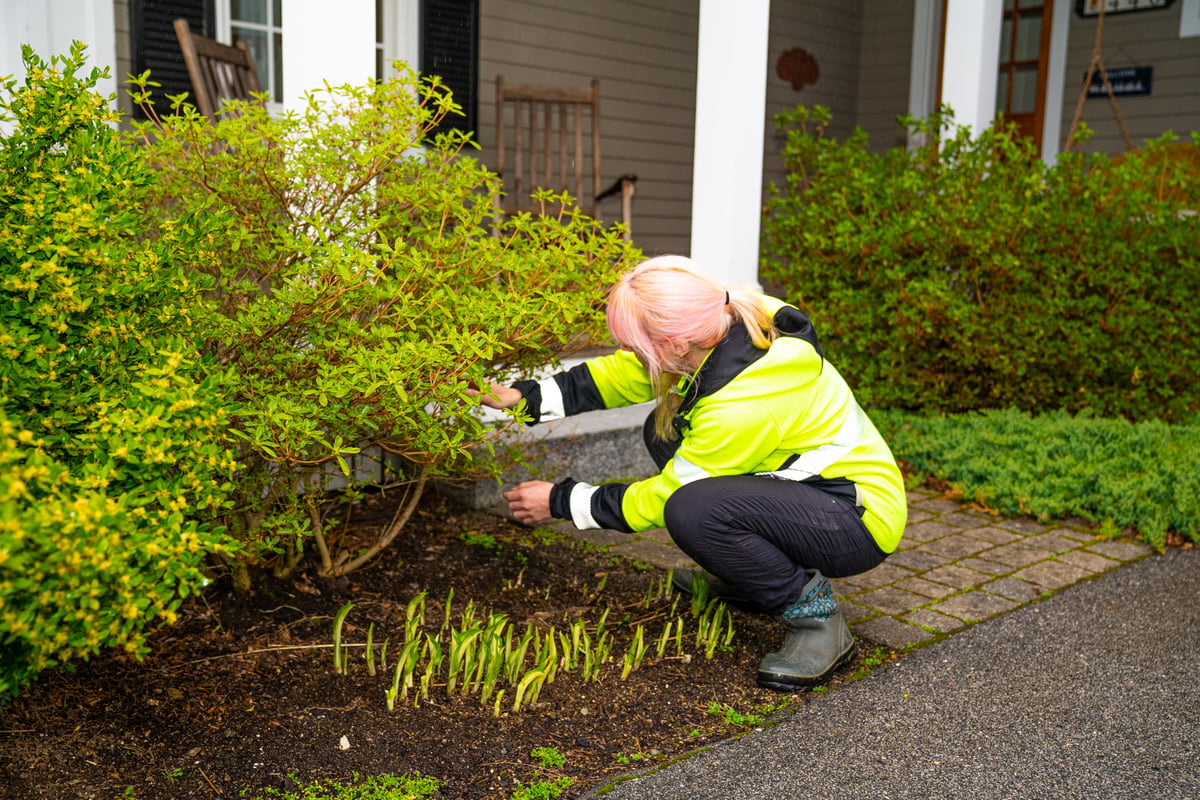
<point>544,400</point>
<point>532,393</point>
<point>560,498</point>
<point>571,499</point>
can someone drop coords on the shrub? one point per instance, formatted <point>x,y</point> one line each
<point>360,293</point>
<point>1123,475</point>
<point>110,435</point>
<point>966,274</point>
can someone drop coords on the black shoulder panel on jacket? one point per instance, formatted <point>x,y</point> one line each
<point>791,321</point>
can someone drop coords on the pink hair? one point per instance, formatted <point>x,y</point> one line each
<point>667,306</point>
<point>664,307</point>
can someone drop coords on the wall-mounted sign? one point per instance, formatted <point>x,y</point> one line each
<point>1125,81</point>
<point>1091,8</point>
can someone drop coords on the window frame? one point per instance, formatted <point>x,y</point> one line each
<point>223,24</point>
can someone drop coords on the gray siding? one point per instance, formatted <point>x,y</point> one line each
<point>830,32</point>
<point>884,71</point>
<point>863,50</point>
<point>644,54</point>
<point>1143,39</point>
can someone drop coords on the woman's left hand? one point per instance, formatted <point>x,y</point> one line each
<point>530,501</point>
<point>497,396</point>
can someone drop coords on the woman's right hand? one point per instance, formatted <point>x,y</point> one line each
<point>498,396</point>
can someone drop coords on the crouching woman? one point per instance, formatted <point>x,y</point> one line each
<point>772,478</point>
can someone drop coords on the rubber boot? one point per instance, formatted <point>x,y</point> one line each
<point>687,581</point>
<point>817,642</point>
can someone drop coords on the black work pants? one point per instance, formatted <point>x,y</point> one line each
<point>766,536</point>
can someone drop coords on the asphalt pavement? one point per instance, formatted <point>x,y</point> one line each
<point>1089,693</point>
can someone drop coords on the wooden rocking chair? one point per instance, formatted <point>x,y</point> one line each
<point>552,134</point>
<point>219,72</point>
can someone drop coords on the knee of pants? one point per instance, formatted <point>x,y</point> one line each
<point>684,513</point>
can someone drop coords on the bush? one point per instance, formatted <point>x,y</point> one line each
<point>111,438</point>
<point>1141,476</point>
<point>966,274</point>
<point>360,293</point>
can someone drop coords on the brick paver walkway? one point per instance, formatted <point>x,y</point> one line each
<point>955,566</point>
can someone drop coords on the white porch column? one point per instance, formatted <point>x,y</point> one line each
<point>50,26</point>
<point>326,43</point>
<point>972,56</point>
<point>731,97</point>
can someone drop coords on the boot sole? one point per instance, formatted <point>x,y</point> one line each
<point>788,683</point>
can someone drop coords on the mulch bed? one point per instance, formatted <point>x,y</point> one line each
<point>240,697</point>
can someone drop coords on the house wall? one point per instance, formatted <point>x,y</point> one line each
<point>884,71</point>
<point>830,33</point>
<point>863,49</point>
<point>644,54</point>
<point>50,27</point>
<point>1141,39</point>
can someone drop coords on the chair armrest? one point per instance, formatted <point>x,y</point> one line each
<point>618,187</point>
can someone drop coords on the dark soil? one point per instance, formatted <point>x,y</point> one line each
<point>241,697</point>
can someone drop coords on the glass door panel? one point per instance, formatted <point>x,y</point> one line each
<point>1021,77</point>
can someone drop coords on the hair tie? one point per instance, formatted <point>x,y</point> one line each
<point>726,297</point>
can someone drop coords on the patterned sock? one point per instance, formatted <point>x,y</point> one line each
<point>818,603</point>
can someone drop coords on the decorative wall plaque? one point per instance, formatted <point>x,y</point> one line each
<point>798,67</point>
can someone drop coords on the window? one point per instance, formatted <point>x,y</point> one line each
<point>448,34</point>
<point>260,24</point>
<point>155,47</point>
<point>448,47</point>
<point>1024,53</point>
<point>380,61</point>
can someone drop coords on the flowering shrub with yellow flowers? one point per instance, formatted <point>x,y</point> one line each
<point>113,434</point>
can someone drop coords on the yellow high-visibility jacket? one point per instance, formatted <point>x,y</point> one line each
<point>783,412</point>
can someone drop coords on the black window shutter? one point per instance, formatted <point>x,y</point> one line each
<point>156,48</point>
<point>449,48</point>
